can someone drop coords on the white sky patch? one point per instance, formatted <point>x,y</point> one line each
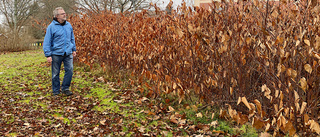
<point>1,19</point>
<point>163,3</point>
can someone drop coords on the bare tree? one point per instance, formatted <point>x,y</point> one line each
<point>44,15</point>
<point>17,13</point>
<point>113,5</point>
<point>47,6</point>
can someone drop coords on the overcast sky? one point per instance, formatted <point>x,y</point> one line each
<point>164,3</point>
<point>161,3</point>
<point>1,19</point>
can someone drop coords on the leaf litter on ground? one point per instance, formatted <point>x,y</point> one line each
<point>97,108</point>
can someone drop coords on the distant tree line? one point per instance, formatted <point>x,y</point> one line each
<point>21,16</point>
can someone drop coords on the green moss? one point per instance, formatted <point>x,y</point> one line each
<point>27,101</point>
<point>13,134</point>
<point>14,62</point>
<point>224,126</point>
<point>248,131</point>
<point>66,120</point>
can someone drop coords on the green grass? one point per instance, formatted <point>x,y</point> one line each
<point>14,64</point>
<point>25,77</point>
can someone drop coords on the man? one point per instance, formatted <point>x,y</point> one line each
<point>59,46</point>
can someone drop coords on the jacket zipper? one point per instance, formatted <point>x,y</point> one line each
<point>65,40</point>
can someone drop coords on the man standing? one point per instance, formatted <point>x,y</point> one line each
<point>59,46</point>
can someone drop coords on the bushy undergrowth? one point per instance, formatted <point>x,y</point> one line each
<point>11,43</point>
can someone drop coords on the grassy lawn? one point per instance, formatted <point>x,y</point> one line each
<point>96,108</point>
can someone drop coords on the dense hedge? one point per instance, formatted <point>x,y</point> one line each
<point>236,53</point>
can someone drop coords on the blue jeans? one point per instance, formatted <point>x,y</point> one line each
<point>68,68</point>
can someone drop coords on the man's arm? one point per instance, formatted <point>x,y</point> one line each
<point>73,42</point>
<point>47,43</point>
<point>74,53</point>
<point>49,59</point>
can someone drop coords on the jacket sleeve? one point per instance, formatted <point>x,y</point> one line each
<point>47,42</point>
<point>73,41</point>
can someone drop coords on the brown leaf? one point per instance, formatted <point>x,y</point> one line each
<point>258,104</point>
<point>294,73</point>
<point>174,121</point>
<point>307,42</point>
<point>265,134</point>
<point>296,96</point>
<point>223,114</point>
<point>316,55</point>
<point>303,84</point>
<point>232,113</point>
<point>257,123</point>
<point>171,109</point>
<point>306,118</point>
<point>308,68</point>
<point>212,115</point>
<point>199,114</point>
<point>290,128</point>
<point>245,101</point>
<point>267,127</point>
<point>314,126</point>
<point>303,107</point>
<point>103,122</point>
<point>242,119</point>
<point>239,100</point>
<point>220,132</point>
<point>231,90</point>
<point>179,32</point>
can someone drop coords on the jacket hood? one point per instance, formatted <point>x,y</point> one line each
<point>63,23</point>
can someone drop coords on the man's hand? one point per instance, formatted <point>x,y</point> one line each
<point>74,54</point>
<point>49,59</point>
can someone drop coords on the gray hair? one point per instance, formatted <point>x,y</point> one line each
<point>55,12</point>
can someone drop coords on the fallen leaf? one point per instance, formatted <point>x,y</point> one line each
<point>223,114</point>
<point>142,129</point>
<point>199,115</point>
<point>245,101</point>
<point>103,122</point>
<point>220,132</point>
<point>118,101</point>
<point>26,124</point>
<point>257,123</point>
<point>258,104</point>
<point>171,109</point>
<point>212,115</point>
<point>101,79</point>
<point>265,134</point>
<point>289,127</point>
<point>174,121</point>
<point>314,126</point>
<point>214,123</point>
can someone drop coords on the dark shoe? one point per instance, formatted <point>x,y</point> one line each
<point>55,94</point>
<point>67,92</point>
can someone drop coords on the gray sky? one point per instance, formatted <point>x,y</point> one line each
<point>164,3</point>
<point>1,19</point>
<point>161,3</point>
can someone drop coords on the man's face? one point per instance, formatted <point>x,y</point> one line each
<point>62,16</point>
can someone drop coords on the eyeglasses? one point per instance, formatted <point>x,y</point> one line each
<point>62,14</point>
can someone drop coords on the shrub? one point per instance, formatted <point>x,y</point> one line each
<point>261,59</point>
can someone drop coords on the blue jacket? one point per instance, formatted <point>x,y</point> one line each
<point>59,39</point>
